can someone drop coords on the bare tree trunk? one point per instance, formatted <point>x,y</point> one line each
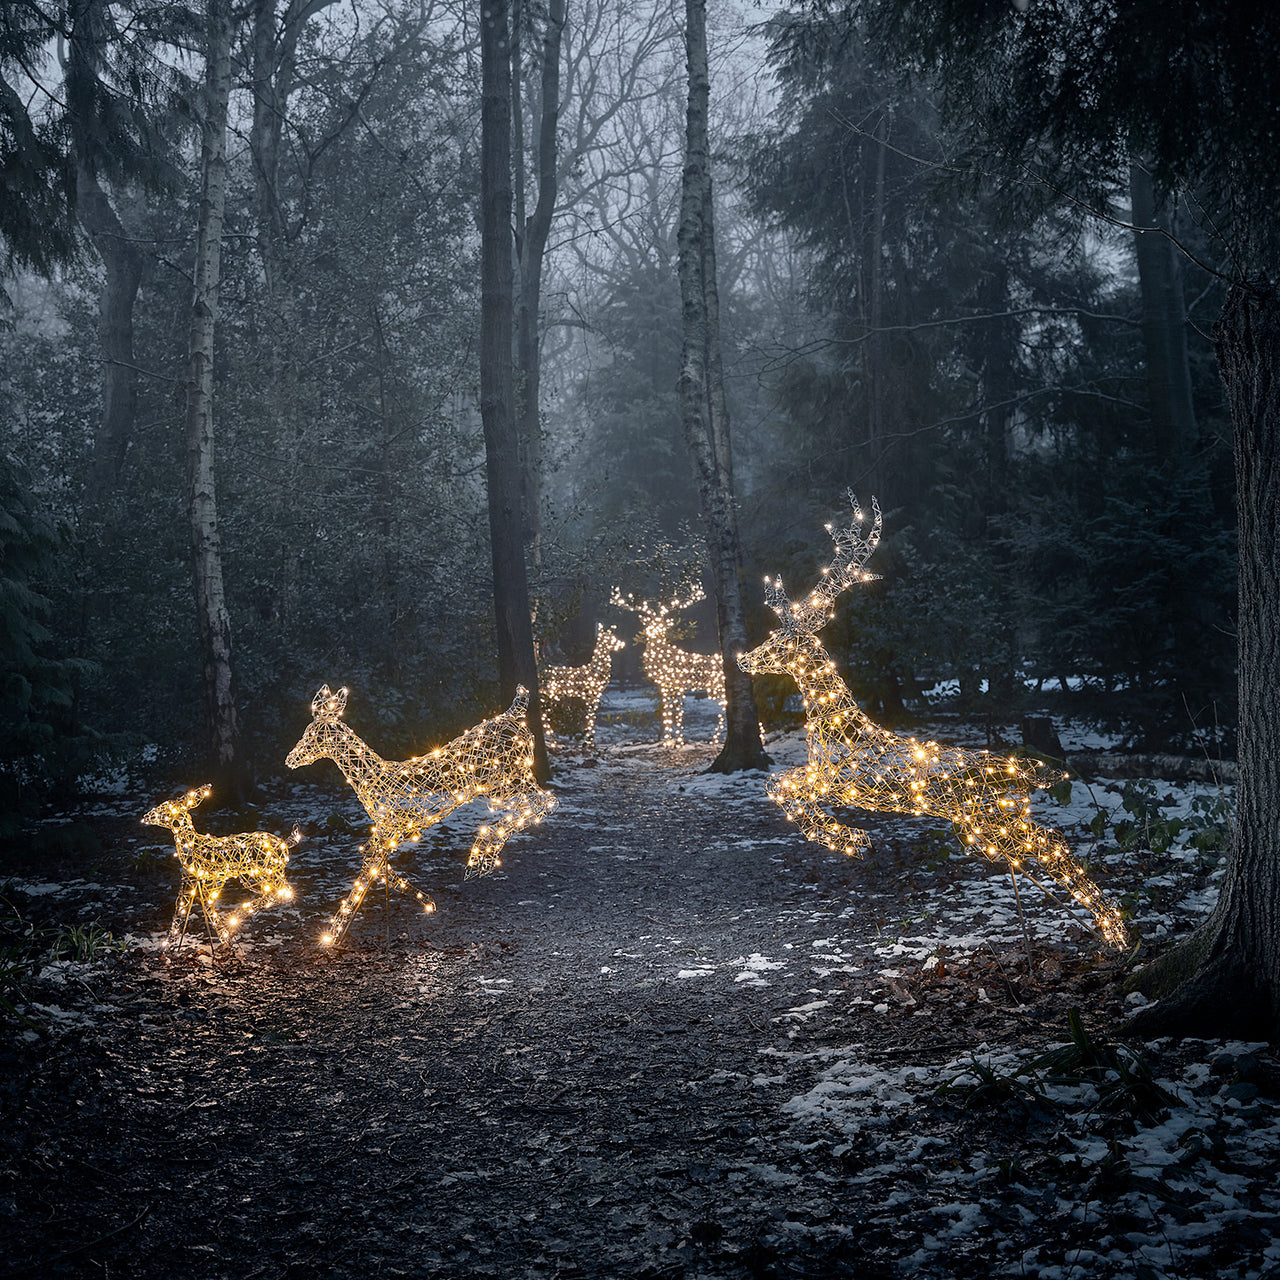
<point>211,604</point>
<point>1225,978</point>
<point>703,408</point>
<point>1164,326</point>
<point>123,263</point>
<point>516,661</point>
<point>874,310</point>
<point>535,231</point>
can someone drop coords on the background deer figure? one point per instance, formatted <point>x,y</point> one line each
<point>491,761</point>
<point>674,670</point>
<point>853,762</point>
<point>587,682</point>
<point>256,858</point>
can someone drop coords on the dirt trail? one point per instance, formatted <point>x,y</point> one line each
<point>578,1067</point>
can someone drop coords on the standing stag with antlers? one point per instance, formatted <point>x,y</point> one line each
<point>855,763</point>
<point>493,761</point>
<point>674,670</point>
<point>587,682</point>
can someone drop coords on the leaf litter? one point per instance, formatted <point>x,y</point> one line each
<point>669,1039</point>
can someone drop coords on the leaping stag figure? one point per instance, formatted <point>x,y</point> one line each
<point>492,761</point>
<point>587,682</point>
<point>674,670</point>
<point>855,763</point>
<point>255,858</point>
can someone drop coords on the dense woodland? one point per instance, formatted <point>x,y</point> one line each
<point>404,333</point>
<point>1028,387</point>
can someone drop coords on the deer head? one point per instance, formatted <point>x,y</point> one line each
<point>176,813</point>
<point>607,639</point>
<point>802,619</point>
<point>326,710</point>
<point>654,616</point>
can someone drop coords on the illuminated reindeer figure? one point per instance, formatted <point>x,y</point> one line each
<point>853,762</point>
<point>674,670</point>
<point>257,858</point>
<point>491,761</point>
<point>587,682</point>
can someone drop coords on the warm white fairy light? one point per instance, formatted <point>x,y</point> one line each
<point>674,670</point>
<point>588,682</point>
<point>853,762</point>
<point>492,761</point>
<point>255,858</point>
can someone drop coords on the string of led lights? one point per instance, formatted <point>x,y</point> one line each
<point>854,762</point>
<point>587,682</point>
<point>492,761</point>
<point>255,858</point>
<point>674,670</point>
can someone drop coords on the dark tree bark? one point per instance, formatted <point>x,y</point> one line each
<point>532,246</point>
<point>1225,978</point>
<point>211,602</point>
<point>123,264</point>
<point>703,409</point>
<point>1164,325</point>
<point>875,358</point>
<point>516,660</point>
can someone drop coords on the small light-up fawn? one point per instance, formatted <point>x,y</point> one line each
<point>853,762</point>
<point>255,858</point>
<point>674,670</point>
<point>587,682</point>
<point>492,761</point>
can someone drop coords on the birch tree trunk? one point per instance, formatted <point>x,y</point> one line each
<point>703,409</point>
<point>516,661</point>
<point>1225,978</point>
<point>211,604</point>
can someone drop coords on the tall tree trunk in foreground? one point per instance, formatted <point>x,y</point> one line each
<point>534,232</point>
<point>1225,978</point>
<point>516,662</point>
<point>702,405</point>
<point>211,602</point>
<point>1164,325</point>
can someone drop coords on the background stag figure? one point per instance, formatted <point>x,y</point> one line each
<point>674,670</point>
<point>854,762</point>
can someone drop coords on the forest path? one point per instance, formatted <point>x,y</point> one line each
<point>580,1066</point>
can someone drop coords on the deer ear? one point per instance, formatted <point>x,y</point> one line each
<point>328,704</point>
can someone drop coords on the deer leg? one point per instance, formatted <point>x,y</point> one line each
<point>181,914</point>
<point>216,930</point>
<point>374,868</point>
<point>1010,836</point>
<point>793,792</point>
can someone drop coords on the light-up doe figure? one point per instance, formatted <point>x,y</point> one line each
<point>674,670</point>
<point>587,682</point>
<point>256,858</point>
<point>492,761</point>
<point>853,762</point>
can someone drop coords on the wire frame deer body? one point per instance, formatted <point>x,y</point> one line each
<point>493,761</point>
<point>854,762</point>
<point>255,858</point>
<point>587,682</point>
<point>674,670</point>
